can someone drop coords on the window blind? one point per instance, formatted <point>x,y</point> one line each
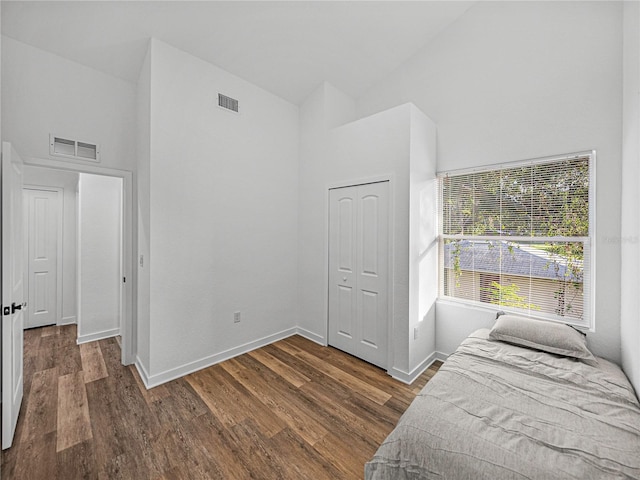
<point>518,237</point>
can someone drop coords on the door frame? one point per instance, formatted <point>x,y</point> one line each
<point>390,259</point>
<point>128,302</point>
<point>59,249</point>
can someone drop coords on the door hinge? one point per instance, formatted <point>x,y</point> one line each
<point>124,279</point>
<point>6,310</point>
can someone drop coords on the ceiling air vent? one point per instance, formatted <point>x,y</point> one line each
<point>228,103</point>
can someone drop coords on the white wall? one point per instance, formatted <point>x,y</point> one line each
<point>423,236</point>
<point>517,80</point>
<point>630,232</point>
<point>99,256</point>
<point>68,182</point>
<point>223,215</point>
<point>325,108</point>
<point>44,93</point>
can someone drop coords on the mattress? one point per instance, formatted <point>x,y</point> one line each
<point>499,411</point>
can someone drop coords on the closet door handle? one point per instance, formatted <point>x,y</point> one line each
<point>15,307</point>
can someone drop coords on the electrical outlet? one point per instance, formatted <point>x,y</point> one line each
<point>415,333</point>
<point>236,317</point>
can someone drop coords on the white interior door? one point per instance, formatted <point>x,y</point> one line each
<point>12,291</point>
<point>358,271</point>
<point>41,215</point>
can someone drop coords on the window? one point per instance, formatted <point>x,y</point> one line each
<point>488,282</point>
<point>518,236</point>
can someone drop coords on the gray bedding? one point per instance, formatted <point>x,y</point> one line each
<point>498,411</point>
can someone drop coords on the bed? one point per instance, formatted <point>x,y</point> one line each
<point>496,410</point>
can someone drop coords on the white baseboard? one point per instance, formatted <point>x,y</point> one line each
<point>410,377</point>
<point>92,337</point>
<point>314,337</point>
<point>68,320</point>
<point>144,375</point>
<point>441,356</point>
<point>151,381</point>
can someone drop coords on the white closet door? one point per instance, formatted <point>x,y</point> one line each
<point>358,271</point>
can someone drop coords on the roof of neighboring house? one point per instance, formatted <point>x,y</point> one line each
<point>518,259</point>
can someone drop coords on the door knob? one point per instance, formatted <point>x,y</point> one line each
<point>344,279</point>
<point>15,307</point>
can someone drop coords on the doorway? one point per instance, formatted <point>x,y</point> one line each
<point>73,244</point>
<point>126,277</point>
<point>99,257</point>
<point>359,271</point>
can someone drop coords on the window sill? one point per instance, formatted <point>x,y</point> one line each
<point>494,309</point>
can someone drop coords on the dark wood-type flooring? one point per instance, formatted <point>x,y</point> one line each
<point>290,410</point>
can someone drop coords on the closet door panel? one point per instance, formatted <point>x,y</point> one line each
<point>342,265</point>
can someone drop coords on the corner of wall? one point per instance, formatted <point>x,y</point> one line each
<point>630,224</point>
<point>339,108</point>
<point>324,109</point>
<point>143,201</point>
<point>423,235</point>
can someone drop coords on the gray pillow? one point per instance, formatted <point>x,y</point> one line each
<point>549,337</point>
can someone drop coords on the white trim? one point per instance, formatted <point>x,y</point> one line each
<point>151,381</point>
<point>410,377</point>
<point>591,280</point>
<point>314,337</point>
<point>442,356</point>
<point>513,238</point>
<point>391,343</point>
<point>92,337</point>
<point>78,261</point>
<point>71,320</point>
<point>490,307</point>
<point>121,264</point>
<point>144,375</point>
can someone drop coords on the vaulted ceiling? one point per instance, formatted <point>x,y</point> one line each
<point>287,48</point>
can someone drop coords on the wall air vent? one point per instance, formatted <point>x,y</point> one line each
<point>228,103</point>
<point>73,149</point>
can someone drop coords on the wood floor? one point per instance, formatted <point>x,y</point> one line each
<point>291,410</point>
